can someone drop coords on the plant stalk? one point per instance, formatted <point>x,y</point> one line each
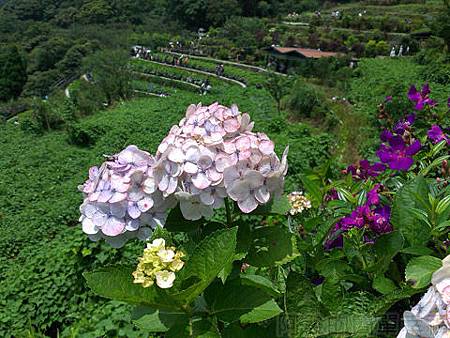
<point>228,212</point>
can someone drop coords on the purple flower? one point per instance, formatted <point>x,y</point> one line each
<point>420,98</point>
<point>386,135</point>
<point>376,222</point>
<point>364,169</point>
<point>380,223</point>
<point>397,154</point>
<point>437,135</point>
<point>318,280</point>
<point>331,195</point>
<point>403,125</point>
<point>372,196</point>
<point>335,239</point>
<point>388,98</point>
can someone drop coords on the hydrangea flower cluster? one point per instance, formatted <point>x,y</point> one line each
<point>431,316</point>
<point>399,146</point>
<point>121,200</point>
<point>213,154</point>
<point>159,263</point>
<point>372,216</point>
<point>210,155</point>
<point>421,98</point>
<point>364,169</point>
<point>298,202</point>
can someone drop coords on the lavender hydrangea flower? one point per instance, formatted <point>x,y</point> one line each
<point>119,200</point>
<point>421,99</point>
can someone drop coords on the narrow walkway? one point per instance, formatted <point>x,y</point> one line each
<point>167,78</point>
<point>148,93</point>
<point>245,66</point>
<point>243,85</point>
<point>225,62</point>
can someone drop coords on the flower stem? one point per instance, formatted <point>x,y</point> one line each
<point>228,211</point>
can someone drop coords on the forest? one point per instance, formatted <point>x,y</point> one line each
<point>230,169</point>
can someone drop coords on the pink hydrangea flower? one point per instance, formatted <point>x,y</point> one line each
<point>212,154</point>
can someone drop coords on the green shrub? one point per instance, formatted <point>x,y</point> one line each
<point>304,100</point>
<point>83,134</point>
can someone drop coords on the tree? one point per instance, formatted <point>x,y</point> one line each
<point>371,48</point>
<point>441,26</point>
<point>278,87</point>
<point>110,74</point>
<point>13,72</point>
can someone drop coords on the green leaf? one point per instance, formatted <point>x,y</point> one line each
<point>437,162</point>
<point>247,304</point>
<point>154,320</point>
<point>385,302</point>
<point>420,269</point>
<point>210,257</point>
<point>383,285</point>
<point>177,223</point>
<point>116,282</point>
<point>278,206</point>
<point>312,187</point>
<point>262,312</point>
<point>353,325</point>
<point>414,231</point>
<point>417,251</point>
<point>386,247</point>
<point>260,282</point>
<point>272,245</point>
<point>443,204</point>
<point>303,308</point>
<point>250,331</point>
<point>196,328</point>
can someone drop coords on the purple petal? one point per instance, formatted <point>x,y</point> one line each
<point>401,163</point>
<point>413,148</point>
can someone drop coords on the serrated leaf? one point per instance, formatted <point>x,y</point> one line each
<point>312,187</point>
<point>420,269</point>
<point>235,330</point>
<point>303,308</point>
<point>386,247</point>
<point>383,285</point>
<point>116,282</point>
<point>354,325</point>
<point>177,223</point>
<point>272,245</point>
<point>414,231</point>
<point>278,206</point>
<point>210,257</point>
<point>237,302</point>
<point>155,320</point>
<point>417,251</point>
<point>260,282</point>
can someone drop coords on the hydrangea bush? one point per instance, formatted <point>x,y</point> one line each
<point>228,255</point>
